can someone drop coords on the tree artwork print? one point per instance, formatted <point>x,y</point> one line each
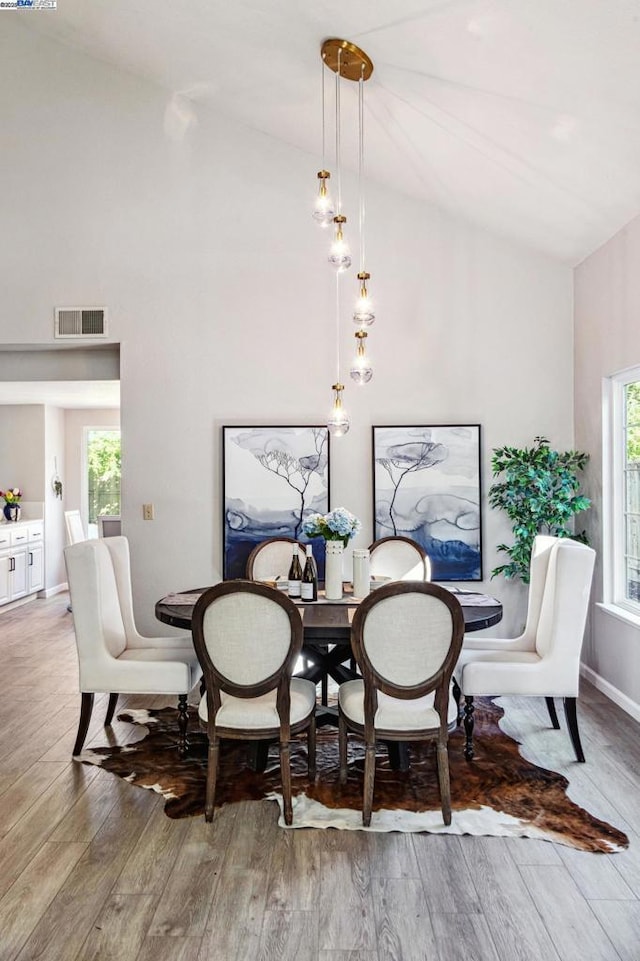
<point>426,484</point>
<point>274,477</point>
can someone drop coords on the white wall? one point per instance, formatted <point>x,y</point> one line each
<point>215,276</point>
<point>607,340</point>
<point>22,449</point>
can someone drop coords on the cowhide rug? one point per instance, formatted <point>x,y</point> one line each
<point>498,794</point>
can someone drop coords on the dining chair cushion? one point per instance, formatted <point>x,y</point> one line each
<point>426,628</point>
<point>247,636</point>
<point>393,714</point>
<point>157,660</point>
<point>260,712</point>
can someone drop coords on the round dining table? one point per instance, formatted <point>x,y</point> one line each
<point>326,646</point>
<point>327,629</point>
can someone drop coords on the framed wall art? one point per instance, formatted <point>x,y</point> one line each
<point>274,477</point>
<point>426,486</point>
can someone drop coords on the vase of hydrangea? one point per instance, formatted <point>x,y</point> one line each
<point>337,527</point>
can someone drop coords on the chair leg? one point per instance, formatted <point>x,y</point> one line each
<point>311,747</point>
<point>369,778</point>
<point>183,723</point>
<point>457,695</point>
<point>212,776</point>
<point>111,710</point>
<point>468,727</point>
<point>342,747</point>
<point>553,717</point>
<point>572,723</point>
<point>285,773</point>
<point>445,782</point>
<point>86,708</point>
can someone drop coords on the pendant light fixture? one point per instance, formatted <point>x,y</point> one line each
<point>348,62</point>
<point>338,421</point>
<point>339,253</point>
<point>363,314</point>
<point>361,370</point>
<point>323,210</point>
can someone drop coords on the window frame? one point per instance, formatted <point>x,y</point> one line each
<point>614,467</point>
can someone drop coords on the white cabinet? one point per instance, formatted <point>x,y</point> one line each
<point>5,571</point>
<point>35,568</point>
<point>18,573</point>
<point>21,560</point>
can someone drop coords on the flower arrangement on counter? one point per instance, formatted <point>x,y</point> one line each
<point>338,525</point>
<point>12,495</point>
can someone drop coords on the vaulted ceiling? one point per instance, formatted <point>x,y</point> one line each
<point>520,115</point>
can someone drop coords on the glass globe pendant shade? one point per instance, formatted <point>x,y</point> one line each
<point>363,314</point>
<point>338,423</point>
<point>361,370</point>
<point>323,210</point>
<point>339,253</point>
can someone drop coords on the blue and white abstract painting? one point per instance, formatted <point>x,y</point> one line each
<point>426,483</point>
<point>274,477</point>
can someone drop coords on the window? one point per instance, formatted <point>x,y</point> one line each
<point>103,473</point>
<point>623,575</point>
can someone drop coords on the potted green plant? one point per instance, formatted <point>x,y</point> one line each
<point>540,493</point>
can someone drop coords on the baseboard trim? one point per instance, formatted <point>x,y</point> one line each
<point>52,591</point>
<point>613,693</point>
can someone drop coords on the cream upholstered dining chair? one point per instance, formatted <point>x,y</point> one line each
<point>545,659</point>
<point>75,532</point>
<point>399,558</point>
<point>406,638</point>
<point>75,527</point>
<point>271,558</point>
<point>248,637</point>
<point>113,657</point>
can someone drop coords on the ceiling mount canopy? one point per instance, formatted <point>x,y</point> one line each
<point>345,57</point>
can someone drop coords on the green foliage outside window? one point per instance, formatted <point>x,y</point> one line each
<point>104,471</point>
<point>540,493</point>
<point>632,392</point>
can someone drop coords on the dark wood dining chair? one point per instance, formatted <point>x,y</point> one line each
<point>271,558</point>
<point>399,558</point>
<point>248,637</point>
<point>406,638</point>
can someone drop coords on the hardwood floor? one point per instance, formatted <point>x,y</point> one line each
<point>90,867</point>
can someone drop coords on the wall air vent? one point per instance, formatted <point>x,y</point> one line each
<point>80,322</point>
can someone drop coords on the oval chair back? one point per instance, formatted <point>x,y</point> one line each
<point>399,558</point>
<point>271,558</point>
<point>406,637</point>
<point>248,637</point>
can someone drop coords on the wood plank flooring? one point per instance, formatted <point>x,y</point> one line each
<point>90,867</point>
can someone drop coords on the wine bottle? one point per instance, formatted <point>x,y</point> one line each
<point>309,587</point>
<point>295,574</point>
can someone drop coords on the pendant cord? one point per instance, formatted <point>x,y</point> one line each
<point>337,327</point>
<point>361,201</point>
<point>322,67</point>
<point>338,163</point>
